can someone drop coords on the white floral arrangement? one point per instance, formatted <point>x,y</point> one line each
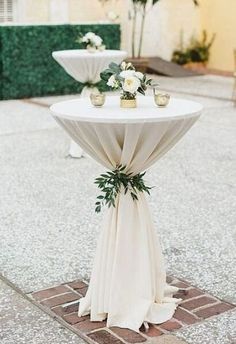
<point>91,42</point>
<point>124,77</point>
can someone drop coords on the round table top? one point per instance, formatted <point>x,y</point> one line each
<point>83,53</point>
<point>82,110</point>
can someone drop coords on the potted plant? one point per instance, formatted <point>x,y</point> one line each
<point>139,8</point>
<point>199,50</point>
<point>197,54</point>
<point>125,78</point>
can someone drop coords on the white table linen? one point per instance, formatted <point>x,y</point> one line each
<point>86,67</point>
<point>128,280</point>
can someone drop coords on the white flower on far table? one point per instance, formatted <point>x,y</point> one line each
<point>97,40</point>
<point>92,41</point>
<point>90,35</point>
<point>84,39</point>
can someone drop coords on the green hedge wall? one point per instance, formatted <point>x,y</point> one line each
<point>27,68</point>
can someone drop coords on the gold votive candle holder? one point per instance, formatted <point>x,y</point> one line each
<point>97,99</point>
<point>161,98</point>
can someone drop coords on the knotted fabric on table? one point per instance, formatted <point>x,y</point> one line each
<point>128,281</point>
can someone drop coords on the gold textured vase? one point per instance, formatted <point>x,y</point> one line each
<point>128,103</point>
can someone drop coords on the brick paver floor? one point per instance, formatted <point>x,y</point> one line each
<point>63,302</point>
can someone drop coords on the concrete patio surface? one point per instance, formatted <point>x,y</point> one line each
<point>22,322</point>
<point>49,230</point>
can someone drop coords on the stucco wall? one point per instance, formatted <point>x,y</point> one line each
<point>35,11</point>
<point>80,10</point>
<point>163,25</point>
<point>219,16</point>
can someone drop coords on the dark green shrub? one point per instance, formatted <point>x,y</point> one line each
<point>180,57</point>
<point>27,68</point>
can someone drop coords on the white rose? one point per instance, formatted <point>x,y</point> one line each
<point>90,35</point>
<point>139,75</point>
<point>127,73</point>
<point>102,47</point>
<point>112,81</point>
<point>97,41</point>
<point>131,84</point>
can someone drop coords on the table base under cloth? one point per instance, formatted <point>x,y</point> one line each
<point>128,281</point>
<point>75,151</point>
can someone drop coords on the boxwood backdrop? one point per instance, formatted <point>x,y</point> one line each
<point>27,68</point>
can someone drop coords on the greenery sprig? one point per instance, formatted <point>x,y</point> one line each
<point>112,182</point>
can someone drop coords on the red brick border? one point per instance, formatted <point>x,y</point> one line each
<point>62,300</point>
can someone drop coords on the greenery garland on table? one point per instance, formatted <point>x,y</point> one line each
<point>112,182</point>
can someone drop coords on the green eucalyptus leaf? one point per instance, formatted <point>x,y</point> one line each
<point>114,67</point>
<point>140,90</point>
<point>113,182</point>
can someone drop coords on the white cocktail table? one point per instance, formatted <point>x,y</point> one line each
<point>128,281</point>
<point>86,67</point>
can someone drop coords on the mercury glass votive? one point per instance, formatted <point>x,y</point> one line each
<point>161,98</point>
<point>97,99</point>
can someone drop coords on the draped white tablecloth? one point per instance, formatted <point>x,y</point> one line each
<point>128,281</point>
<point>86,67</point>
